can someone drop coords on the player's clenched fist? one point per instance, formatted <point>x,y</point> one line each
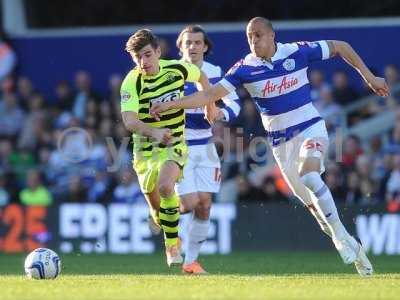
<point>211,112</point>
<point>379,86</point>
<point>157,108</point>
<point>162,135</point>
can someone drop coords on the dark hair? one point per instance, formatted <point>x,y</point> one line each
<point>195,29</point>
<point>141,39</point>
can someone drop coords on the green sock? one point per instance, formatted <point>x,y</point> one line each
<point>169,219</point>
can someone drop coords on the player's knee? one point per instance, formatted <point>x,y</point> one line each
<point>185,207</point>
<point>166,189</point>
<point>202,211</point>
<point>313,181</point>
<point>188,202</point>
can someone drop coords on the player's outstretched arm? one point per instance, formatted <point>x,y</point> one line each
<point>377,84</point>
<point>133,124</point>
<point>195,100</point>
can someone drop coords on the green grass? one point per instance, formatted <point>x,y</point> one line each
<point>239,276</point>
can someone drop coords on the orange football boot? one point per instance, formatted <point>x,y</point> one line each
<point>194,268</point>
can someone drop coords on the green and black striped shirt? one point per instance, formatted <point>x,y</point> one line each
<point>138,92</point>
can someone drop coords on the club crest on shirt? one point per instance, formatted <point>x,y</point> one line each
<point>289,64</point>
<point>170,78</point>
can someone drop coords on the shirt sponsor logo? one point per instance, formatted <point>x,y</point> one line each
<point>284,85</point>
<point>167,97</point>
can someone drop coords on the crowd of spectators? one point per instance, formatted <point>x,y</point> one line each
<point>68,149</point>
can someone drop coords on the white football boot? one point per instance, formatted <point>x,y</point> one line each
<point>174,256</point>
<point>362,263</point>
<point>346,251</point>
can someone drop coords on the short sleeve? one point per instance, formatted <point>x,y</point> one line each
<point>233,79</point>
<point>191,71</point>
<point>231,105</point>
<point>314,51</point>
<point>129,95</point>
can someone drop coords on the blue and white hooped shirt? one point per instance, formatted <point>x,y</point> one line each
<point>197,129</point>
<point>280,88</point>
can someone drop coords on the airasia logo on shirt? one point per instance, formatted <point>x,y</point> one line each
<point>285,84</point>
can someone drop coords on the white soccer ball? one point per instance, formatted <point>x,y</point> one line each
<point>42,263</point>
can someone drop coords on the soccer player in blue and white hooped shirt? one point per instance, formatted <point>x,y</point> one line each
<point>275,76</point>
<point>201,174</point>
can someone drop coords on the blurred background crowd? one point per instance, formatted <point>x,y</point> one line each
<point>41,163</point>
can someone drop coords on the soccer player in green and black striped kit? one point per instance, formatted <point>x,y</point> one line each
<point>159,149</point>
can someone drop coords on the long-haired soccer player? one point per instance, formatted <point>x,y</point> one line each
<point>275,75</point>
<point>201,174</point>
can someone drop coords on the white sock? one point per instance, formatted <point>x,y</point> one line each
<point>325,203</point>
<point>197,235</point>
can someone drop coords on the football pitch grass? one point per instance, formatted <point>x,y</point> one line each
<point>250,275</point>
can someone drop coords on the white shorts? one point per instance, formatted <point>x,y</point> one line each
<point>202,172</point>
<point>312,142</point>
